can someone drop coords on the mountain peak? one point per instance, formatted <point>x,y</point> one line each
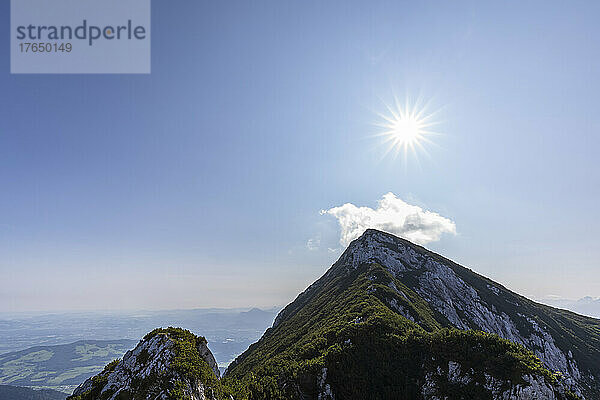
<point>431,293</point>
<point>376,234</point>
<point>372,231</point>
<point>391,251</point>
<point>391,320</point>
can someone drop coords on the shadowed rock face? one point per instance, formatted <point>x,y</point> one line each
<point>157,368</point>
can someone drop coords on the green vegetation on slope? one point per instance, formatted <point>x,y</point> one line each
<point>367,332</point>
<point>344,324</point>
<point>363,332</point>
<point>99,381</point>
<point>571,332</point>
<point>187,366</point>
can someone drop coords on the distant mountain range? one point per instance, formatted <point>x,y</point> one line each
<point>389,320</point>
<point>585,306</point>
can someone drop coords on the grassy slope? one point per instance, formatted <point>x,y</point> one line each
<point>343,323</point>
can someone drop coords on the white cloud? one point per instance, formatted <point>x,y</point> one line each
<point>392,215</point>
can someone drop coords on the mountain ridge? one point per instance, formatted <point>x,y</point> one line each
<point>393,320</point>
<point>491,307</point>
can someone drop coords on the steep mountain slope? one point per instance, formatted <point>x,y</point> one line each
<point>391,319</point>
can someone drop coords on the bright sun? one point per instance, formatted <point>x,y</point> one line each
<point>406,127</point>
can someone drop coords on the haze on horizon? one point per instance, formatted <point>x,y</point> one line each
<point>235,174</point>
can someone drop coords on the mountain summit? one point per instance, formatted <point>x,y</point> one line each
<point>392,320</point>
<point>168,363</point>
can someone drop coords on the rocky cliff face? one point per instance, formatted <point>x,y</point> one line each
<point>431,293</point>
<point>469,301</point>
<point>533,387</point>
<point>166,364</point>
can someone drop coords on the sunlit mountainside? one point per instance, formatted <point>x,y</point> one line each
<point>388,320</point>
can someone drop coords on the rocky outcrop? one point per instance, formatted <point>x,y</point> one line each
<point>434,292</point>
<point>167,364</point>
<point>533,387</point>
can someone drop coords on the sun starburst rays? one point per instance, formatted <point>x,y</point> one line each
<point>406,128</point>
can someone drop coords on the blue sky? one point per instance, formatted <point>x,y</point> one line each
<point>200,185</point>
